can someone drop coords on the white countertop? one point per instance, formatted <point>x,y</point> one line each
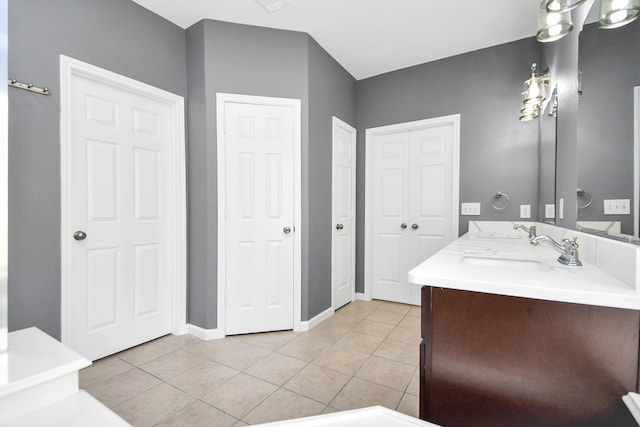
<point>504,263</point>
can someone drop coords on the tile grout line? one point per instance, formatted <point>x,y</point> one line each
<point>347,320</point>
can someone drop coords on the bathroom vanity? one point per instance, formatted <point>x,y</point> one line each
<point>512,337</point>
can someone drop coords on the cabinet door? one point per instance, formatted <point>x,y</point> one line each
<point>492,360</point>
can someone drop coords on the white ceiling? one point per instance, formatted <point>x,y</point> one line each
<point>371,37</point>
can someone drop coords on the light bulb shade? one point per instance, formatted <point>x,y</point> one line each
<point>525,117</point>
<point>531,110</point>
<point>535,92</point>
<point>552,25</point>
<point>616,13</point>
<point>562,5</point>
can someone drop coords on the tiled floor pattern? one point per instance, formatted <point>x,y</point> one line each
<point>366,354</point>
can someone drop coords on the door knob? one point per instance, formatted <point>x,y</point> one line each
<point>414,226</point>
<point>339,226</point>
<point>287,230</point>
<point>79,235</point>
<point>403,225</point>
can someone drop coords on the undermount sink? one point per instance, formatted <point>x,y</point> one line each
<point>502,262</point>
<point>499,235</point>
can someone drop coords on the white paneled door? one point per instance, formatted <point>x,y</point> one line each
<point>118,220</point>
<point>414,170</point>
<point>343,252</point>
<point>259,223</point>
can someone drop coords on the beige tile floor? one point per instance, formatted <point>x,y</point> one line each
<point>366,354</point>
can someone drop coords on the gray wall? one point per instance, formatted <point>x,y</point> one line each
<point>497,151</point>
<point>332,92</point>
<point>201,299</point>
<point>117,35</point>
<point>229,58</point>
<point>241,59</point>
<point>610,65</point>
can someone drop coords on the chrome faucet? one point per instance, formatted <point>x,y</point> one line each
<point>531,230</point>
<point>568,249</point>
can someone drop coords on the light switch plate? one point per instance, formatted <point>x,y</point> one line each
<point>550,210</point>
<point>470,209</point>
<point>617,207</point>
<point>525,211</point>
<point>561,209</point>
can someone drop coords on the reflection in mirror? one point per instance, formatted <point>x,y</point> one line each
<point>547,165</point>
<point>4,154</point>
<point>609,61</point>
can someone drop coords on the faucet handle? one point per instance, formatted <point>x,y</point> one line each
<point>573,242</point>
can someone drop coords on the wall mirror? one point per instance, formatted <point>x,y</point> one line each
<point>547,158</point>
<point>4,163</point>
<point>607,177</point>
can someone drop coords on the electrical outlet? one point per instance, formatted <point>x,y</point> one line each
<point>617,207</point>
<point>550,210</point>
<point>470,209</point>
<point>525,211</point>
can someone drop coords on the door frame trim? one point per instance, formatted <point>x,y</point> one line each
<point>336,122</point>
<point>370,133</point>
<point>69,68</point>
<point>636,161</point>
<point>295,104</point>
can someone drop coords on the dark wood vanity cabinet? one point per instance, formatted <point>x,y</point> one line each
<point>493,360</point>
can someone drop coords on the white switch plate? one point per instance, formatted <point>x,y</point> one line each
<point>525,211</point>
<point>470,209</point>
<point>617,207</point>
<point>561,209</point>
<point>550,211</point>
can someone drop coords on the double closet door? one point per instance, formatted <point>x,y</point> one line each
<point>414,204</point>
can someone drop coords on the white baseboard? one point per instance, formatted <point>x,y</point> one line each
<point>204,334</point>
<point>215,334</point>
<point>362,297</point>
<point>312,323</point>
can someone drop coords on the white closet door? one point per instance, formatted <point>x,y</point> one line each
<point>391,249</point>
<point>343,256</point>
<point>259,224</point>
<point>431,199</point>
<point>414,174</point>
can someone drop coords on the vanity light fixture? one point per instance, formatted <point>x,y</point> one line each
<point>527,114</point>
<point>554,16</point>
<point>533,95</point>
<point>562,5</point>
<point>616,13</point>
<point>552,25</point>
